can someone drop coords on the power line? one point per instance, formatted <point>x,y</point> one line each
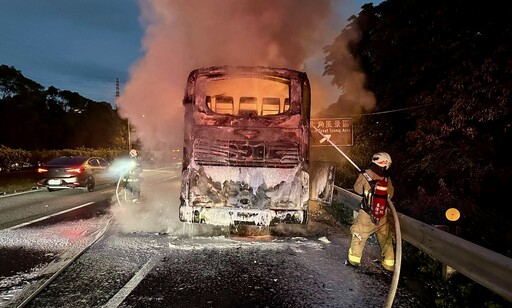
<point>391,111</point>
<point>401,109</point>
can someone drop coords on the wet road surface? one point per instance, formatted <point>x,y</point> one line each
<point>147,258</point>
<point>161,270</point>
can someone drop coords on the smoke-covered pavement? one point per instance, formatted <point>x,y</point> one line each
<point>150,259</point>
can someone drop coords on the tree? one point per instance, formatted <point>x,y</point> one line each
<point>32,117</point>
<point>22,102</point>
<point>442,83</point>
<point>13,83</point>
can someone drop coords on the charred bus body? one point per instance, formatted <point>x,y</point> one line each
<point>246,146</point>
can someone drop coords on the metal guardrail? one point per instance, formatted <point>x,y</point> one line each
<point>486,267</point>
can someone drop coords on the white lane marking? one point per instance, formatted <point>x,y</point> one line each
<point>120,296</point>
<point>159,170</point>
<point>4,195</point>
<point>46,217</point>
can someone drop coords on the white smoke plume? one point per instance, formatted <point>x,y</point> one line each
<point>181,35</point>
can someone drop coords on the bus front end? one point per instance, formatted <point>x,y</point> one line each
<point>246,147</point>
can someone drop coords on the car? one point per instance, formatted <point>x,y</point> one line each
<point>20,166</point>
<point>67,172</point>
<point>176,154</point>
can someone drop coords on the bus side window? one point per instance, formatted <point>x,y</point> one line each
<point>209,102</point>
<point>224,104</point>
<point>270,105</point>
<point>248,106</point>
<point>286,104</point>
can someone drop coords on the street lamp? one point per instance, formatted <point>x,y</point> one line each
<point>129,132</point>
<point>129,136</point>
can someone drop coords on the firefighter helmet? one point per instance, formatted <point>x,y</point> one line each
<point>133,153</point>
<point>382,159</point>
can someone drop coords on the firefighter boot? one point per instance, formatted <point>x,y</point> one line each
<point>388,265</point>
<point>353,259</point>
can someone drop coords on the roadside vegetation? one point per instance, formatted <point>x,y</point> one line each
<point>17,181</point>
<point>443,103</point>
<point>443,109</point>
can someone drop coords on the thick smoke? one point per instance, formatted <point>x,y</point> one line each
<point>181,35</point>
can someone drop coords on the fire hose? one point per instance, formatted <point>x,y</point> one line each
<point>398,234</point>
<point>117,189</point>
<point>122,168</point>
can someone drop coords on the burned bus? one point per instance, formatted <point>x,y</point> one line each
<point>246,146</point>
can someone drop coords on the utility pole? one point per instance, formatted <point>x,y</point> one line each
<point>127,121</point>
<point>117,88</point>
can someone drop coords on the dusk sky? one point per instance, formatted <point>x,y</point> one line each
<point>82,46</point>
<point>152,45</point>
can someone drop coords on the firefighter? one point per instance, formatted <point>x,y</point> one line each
<point>133,176</point>
<point>365,224</point>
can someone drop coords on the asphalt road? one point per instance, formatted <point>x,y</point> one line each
<point>136,270</point>
<point>150,259</point>
<point>34,204</point>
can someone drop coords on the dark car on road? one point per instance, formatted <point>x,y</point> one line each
<point>74,172</point>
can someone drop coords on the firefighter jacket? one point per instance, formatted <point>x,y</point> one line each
<point>361,185</point>
<point>134,173</point>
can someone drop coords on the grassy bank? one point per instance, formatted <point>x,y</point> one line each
<point>11,182</point>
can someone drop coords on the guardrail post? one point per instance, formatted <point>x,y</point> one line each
<point>448,271</point>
